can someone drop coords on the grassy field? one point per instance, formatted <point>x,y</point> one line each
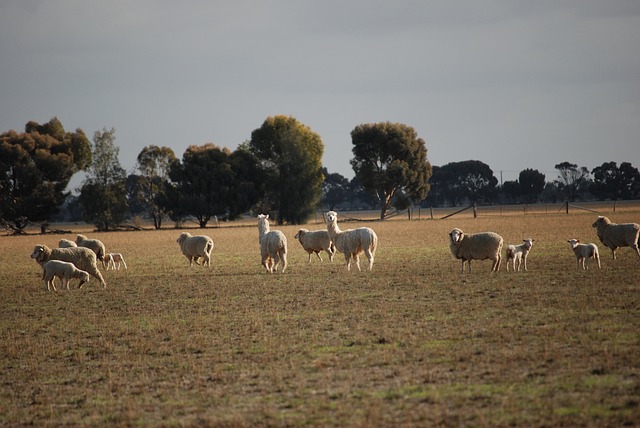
<point>413,343</point>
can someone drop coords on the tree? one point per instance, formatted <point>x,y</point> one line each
<point>470,180</point>
<point>334,189</point>
<point>103,196</point>
<point>35,169</point>
<point>512,191</point>
<point>390,158</point>
<point>149,188</point>
<point>290,155</point>
<point>531,184</point>
<point>611,182</point>
<point>572,181</point>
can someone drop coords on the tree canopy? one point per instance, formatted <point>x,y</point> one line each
<point>103,196</point>
<point>572,181</point>
<point>390,158</point>
<point>35,169</point>
<point>471,181</point>
<point>613,182</point>
<point>290,155</point>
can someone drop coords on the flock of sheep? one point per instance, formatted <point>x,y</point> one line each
<point>488,245</point>
<point>79,259</point>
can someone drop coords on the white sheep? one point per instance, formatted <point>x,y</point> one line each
<point>614,235</point>
<point>476,246</point>
<point>65,243</point>
<point>112,258</point>
<point>314,241</point>
<point>94,244</point>
<point>195,247</point>
<point>83,258</point>
<point>584,252</point>
<point>273,245</point>
<point>519,253</point>
<point>352,242</point>
<point>65,271</point>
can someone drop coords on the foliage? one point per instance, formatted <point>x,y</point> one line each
<point>572,181</point>
<point>290,155</point>
<point>335,189</point>
<point>613,182</point>
<point>390,158</point>
<point>213,181</point>
<point>103,196</point>
<point>531,184</point>
<point>35,168</point>
<point>148,190</point>
<point>469,181</point>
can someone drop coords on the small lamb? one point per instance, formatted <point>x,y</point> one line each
<point>518,253</point>
<point>584,252</point>
<point>65,271</point>
<point>111,259</point>
<point>314,241</point>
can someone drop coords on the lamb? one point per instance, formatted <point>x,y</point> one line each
<point>476,246</point>
<point>316,241</point>
<point>64,270</point>
<point>195,247</point>
<point>273,245</point>
<point>352,242</point>
<point>112,258</point>
<point>65,243</point>
<point>614,235</point>
<point>584,252</point>
<point>83,258</point>
<point>518,253</point>
<point>94,244</point>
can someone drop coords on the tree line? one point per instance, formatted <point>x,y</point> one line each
<point>279,171</point>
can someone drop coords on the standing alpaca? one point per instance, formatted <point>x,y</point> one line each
<point>273,245</point>
<point>352,242</point>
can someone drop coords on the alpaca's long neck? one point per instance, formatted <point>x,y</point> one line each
<point>333,229</point>
<point>263,229</point>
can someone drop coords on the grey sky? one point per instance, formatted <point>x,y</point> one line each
<point>515,84</point>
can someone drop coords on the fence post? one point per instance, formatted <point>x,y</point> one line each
<point>475,211</point>
<point>567,207</point>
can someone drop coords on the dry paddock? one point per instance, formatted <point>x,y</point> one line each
<point>413,343</point>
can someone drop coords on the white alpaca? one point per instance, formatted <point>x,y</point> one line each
<point>352,242</point>
<point>273,245</point>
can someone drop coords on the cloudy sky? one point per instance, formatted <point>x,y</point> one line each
<point>514,84</point>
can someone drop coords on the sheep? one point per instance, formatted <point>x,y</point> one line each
<point>352,242</point>
<point>614,235</point>
<point>83,258</point>
<point>518,253</point>
<point>584,252</point>
<point>316,241</point>
<point>476,246</point>
<point>273,245</point>
<point>112,258</point>
<point>94,244</point>
<point>65,243</point>
<point>195,247</point>
<point>65,271</point>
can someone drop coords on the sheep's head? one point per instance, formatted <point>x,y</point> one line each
<point>573,242</point>
<point>300,233</point>
<point>601,220</point>
<point>80,238</point>
<point>332,217</point>
<point>39,253</point>
<point>456,236</point>
<point>84,276</point>
<point>528,242</point>
<point>182,237</point>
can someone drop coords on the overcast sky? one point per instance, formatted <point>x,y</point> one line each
<point>514,84</point>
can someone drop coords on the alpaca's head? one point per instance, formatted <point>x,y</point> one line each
<point>332,217</point>
<point>263,223</point>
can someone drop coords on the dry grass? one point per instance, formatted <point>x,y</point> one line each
<point>413,343</point>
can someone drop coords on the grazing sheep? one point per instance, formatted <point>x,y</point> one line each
<point>64,270</point>
<point>614,235</point>
<point>584,252</point>
<point>65,243</point>
<point>95,244</point>
<point>476,246</point>
<point>194,247</point>
<point>518,253</point>
<point>112,258</point>
<point>316,241</point>
<point>83,258</point>
<point>273,245</point>
<point>352,242</point>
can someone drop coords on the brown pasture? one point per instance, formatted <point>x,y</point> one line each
<point>413,343</point>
